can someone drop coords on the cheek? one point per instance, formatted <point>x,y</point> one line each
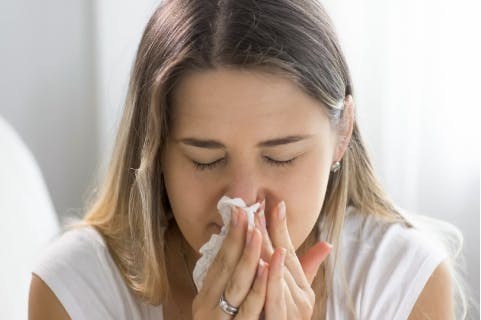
<point>193,203</point>
<point>304,200</point>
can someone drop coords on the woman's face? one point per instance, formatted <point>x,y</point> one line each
<point>251,135</point>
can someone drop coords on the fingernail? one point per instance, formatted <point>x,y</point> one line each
<point>261,268</point>
<point>262,218</point>
<point>235,217</point>
<point>281,214</point>
<point>257,219</point>
<point>250,234</point>
<point>263,205</point>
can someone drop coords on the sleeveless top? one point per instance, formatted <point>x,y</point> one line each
<point>382,268</point>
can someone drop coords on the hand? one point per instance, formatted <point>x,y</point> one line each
<point>289,293</point>
<point>238,272</point>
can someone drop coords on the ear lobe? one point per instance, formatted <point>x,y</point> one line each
<point>346,127</point>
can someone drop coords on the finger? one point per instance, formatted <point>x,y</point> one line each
<point>227,258</point>
<point>267,248</point>
<point>242,278</point>
<point>291,304</point>
<point>313,258</point>
<point>259,218</point>
<point>280,238</point>
<point>275,301</point>
<point>299,301</point>
<point>253,304</point>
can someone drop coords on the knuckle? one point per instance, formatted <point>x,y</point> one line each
<point>291,255</point>
<point>291,252</point>
<point>311,296</point>
<point>232,286</point>
<point>306,306</point>
<point>224,262</point>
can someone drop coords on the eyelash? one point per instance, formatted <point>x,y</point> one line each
<point>278,163</point>
<point>206,166</point>
<point>213,165</point>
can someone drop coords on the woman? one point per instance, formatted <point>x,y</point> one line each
<point>248,99</point>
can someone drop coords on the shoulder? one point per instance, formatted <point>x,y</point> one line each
<point>376,235</point>
<point>67,273</point>
<point>78,271</point>
<point>384,265</point>
<point>435,301</point>
<point>77,252</point>
<point>43,303</point>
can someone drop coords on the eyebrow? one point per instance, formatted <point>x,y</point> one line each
<point>213,144</point>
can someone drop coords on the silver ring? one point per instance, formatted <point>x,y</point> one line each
<point>227,307</point>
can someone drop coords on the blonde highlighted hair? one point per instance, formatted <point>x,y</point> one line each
<point>290,37</point>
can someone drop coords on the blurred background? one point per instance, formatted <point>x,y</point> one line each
<point>415,65</point>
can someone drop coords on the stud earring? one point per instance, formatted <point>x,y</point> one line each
<point>335,167</point>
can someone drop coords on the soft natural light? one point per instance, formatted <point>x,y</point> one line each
<point>415,67</point>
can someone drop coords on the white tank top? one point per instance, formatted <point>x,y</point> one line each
<point>386,267</point>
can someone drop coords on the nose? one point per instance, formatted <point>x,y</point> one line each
<point>244,183</point>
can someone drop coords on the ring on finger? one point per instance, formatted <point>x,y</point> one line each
<point>225,306</point>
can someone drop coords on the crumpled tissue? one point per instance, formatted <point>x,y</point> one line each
<point>210,249</point>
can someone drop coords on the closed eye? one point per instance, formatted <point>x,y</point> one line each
<point>212,165</point>
<point>279,163</point>
<point>207,166</point>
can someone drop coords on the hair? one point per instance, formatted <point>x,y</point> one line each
<point>292,38</point>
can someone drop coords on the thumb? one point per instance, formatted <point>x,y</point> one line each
<point>313,258</point>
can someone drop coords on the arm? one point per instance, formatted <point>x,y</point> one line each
<point>42,302</point>
<point>436,300</point>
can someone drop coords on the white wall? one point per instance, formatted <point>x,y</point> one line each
<point>119,28</point>
<point>47,88</point>
<point>416,70</point>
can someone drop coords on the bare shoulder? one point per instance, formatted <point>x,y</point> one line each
<point>436,300</point>
<point>43,303</point>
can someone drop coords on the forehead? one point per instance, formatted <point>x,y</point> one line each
<point>225,98</point>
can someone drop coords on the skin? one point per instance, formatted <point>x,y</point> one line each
<point>435,301</point>
<point>259,137</point>
<point>240,109</point>
<point>246,109</point>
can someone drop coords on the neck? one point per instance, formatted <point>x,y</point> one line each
<point>190,257</point>
<point>180,262</point>
<point>182,259</point>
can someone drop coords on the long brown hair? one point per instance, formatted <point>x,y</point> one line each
<point>292,38</point>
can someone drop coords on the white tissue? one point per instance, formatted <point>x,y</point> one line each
<point>210,248</point>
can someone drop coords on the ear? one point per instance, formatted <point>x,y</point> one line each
<point>345,128</point>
